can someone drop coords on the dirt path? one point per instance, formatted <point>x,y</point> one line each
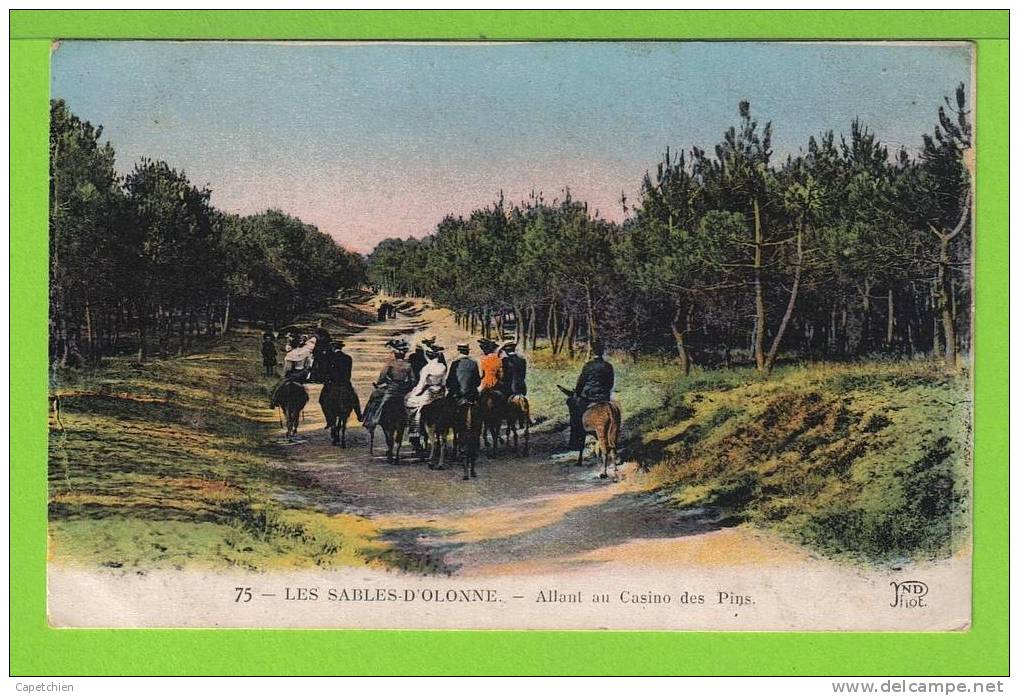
<point>533,514</point>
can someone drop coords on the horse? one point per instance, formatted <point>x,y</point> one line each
<point>492,409</point>
<point>467,424</point>
<point>337,401</point>
<point>292,397</point>
<point>393,421</point>
<point>436,423</point>
<point>603,420</point>
<point>518,415</point>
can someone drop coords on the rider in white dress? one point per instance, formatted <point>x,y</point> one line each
<point>431,387</point>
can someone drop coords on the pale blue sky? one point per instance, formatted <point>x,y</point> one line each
<point>369,141</point>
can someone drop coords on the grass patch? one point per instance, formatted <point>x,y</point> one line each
<point>866,461</point>
<point>167,465</point>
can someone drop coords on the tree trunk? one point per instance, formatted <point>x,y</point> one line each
<point>890,326</point>
<point>226,316</point>
<point>759,319</point>
<point>865,330</point>
<point>89,336</point>
<point>945,307</point>
<point>592,328</point>
<point>142,321</point>
<point>683,359</point>
<point>571,329</point>
<point>790,305</point>
<point>532,327</point>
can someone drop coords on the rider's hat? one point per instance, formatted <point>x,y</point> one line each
<point>338,342</point>
<point>463,347</point>
<point>487,343</point>
<point>432,348</point>
<point>400,346</point>
<point>509,346</point>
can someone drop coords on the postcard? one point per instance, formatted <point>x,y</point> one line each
<point>543,335</point>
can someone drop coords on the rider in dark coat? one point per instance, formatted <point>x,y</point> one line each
<point>320,356</point>
<point>463,377</point>
<point>597,378</point>
<point>417,360</point>
<point>595,384</point>
<point>514,371</point>
<point>338,370</point>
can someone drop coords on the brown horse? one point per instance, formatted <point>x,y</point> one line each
<point>436,424</point>
<point>518,415</point>
<point>467,424</point>
<point>292,397</point>
<point>337,401</point>
<point>393,421</point>
<point>492,407</point>
<point>603,420</point>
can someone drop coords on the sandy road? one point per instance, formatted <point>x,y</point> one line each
<point>533,514</point>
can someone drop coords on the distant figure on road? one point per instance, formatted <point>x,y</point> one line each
<point>383,312</point>
<point>269,354</point>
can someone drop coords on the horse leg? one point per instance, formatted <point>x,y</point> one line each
<point>604,458</point>
<point>371,442</point>
<point>343,431</point>
<point>527,435</point>
<point>389,445</point>
<point>580,454</point>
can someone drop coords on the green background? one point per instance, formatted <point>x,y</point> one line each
<point>37,649</point>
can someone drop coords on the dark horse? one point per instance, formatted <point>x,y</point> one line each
<point>393,421</point>
<point>603,420</point>
<point>337,401</point>
<point>292,397</point>
<point>436,424</point>
<point>467,433</point>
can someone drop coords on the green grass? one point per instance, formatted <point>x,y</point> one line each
<point>867,461</point>
<point>168,464</point>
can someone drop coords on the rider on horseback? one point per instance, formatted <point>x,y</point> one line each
<point>394,382</point>
<point>464,377</point>
<point>594,385</point>
<point>514,371</point>
<point>338,369</point>
<point>490,366</point>
<point>431,386</point>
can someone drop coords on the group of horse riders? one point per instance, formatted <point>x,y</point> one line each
<point>425,378</point>
<point>317,358</point>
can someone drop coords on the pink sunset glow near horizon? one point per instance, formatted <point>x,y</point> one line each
<point>358,218</point>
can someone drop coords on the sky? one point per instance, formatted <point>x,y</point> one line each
<point>369,141</point>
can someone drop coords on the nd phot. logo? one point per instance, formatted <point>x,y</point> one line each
<point>909,594</point>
